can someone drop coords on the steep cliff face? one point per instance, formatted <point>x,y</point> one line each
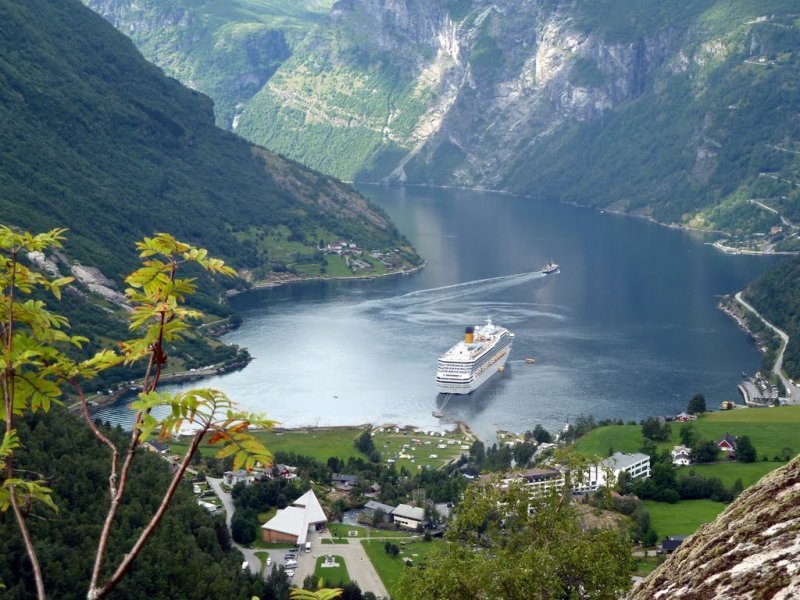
<point>750,551</point>
<point>226,50</point>
<point>680,110</point>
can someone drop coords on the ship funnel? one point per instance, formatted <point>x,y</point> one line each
<point>468,334</point>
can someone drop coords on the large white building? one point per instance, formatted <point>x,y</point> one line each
<point>537,481</point>
<point>607,471</point>
<point>291,525</point>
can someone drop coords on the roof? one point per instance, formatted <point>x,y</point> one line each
<point>345,479</point>
<point>409,512</point>
<point>538,474</point>
<point>372,505</point>
<point>311,504</point>
<point>731,439</point>
<point>671,543</point>
<point>292,521</point>
<point>619,460</point>
<point>681,450</point>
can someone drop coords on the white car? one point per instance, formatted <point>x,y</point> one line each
<point>290,564</point>
<point>290,573</point>
<point>269,561</point>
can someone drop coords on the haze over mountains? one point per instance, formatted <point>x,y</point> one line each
<point>683,111</point>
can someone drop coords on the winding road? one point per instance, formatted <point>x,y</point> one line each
<point>778,366</point>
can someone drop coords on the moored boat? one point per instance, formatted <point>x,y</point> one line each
<point>472,361</point>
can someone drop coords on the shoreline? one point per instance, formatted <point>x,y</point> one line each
<point>265,284</point>
<point>717,244</point>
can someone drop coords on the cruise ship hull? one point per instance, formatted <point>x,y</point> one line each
<point>470,363</point>
<point>477,379</point>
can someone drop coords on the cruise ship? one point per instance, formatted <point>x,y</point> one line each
<point>471,362</point>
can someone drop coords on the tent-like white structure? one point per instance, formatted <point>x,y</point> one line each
<point>293,522</point>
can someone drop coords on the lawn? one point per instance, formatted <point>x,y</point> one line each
<point>417,448</point>
<point>320,444</point>
<point>729,472</point>
<point>682,518</point>
<point>341,530</point>
<point>333,576</point>
<point>622,438</point>
<point>390,568</point>
<point>770,430</point>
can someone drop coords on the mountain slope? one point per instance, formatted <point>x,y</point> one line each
<point>682,111</point>
<point>776,295</point>
<point>94,138</point>
<point>225,49</point>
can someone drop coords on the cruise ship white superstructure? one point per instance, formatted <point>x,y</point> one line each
<point>471,362</point>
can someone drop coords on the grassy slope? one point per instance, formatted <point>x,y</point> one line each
<point>770,430</point>
<point>682,518</point>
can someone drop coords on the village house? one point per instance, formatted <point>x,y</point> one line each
<point>685,417</point>
<point>681,456</point>
<point>231,478</point>
<point>285,471</point>
<point>344,483</point>
<point>409,517</point>
<point>375,510</point>
<point>727,443</point>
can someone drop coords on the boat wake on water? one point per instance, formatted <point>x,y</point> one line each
<point>455,302</point>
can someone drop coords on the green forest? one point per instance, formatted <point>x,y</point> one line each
<point>190,556</point>
<point>776,295</point>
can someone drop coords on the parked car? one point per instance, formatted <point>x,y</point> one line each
<point>290,573</point>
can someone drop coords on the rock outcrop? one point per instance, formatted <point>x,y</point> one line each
<point>751,551</point>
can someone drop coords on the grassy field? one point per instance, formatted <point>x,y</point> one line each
<point>333,576</point>
<point>341,530</point>
<point>390,568</point>
<point>320,444</point>
<point>419,450</point>
<point>749,473</point>
<point>622,438</point>
<point>770,430</point>
<point>682,518</point>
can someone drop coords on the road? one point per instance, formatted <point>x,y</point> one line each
<point>777,367</point>
<point>253,562</point>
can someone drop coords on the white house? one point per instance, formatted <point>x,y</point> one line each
<point>681,456</point>
<point>608,470</point>
<point>409,517</point>
<point>231,478</point>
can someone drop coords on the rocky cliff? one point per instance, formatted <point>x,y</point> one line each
<point>683,111</point>
<point>750,551</point>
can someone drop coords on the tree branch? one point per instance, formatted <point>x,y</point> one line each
<point>127,561</point>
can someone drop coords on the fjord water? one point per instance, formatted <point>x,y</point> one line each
<point>628,328</point>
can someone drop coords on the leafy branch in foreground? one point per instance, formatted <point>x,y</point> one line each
<point>35,365</point>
